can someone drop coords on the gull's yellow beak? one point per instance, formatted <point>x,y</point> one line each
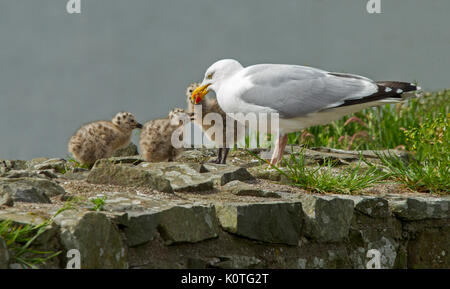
<point>199,93</point>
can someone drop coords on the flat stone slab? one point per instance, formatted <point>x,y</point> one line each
<point>128,176</point>
<point>6,165</point>
<point>371,206</point>
<point>328,218</point>
<point>193,177</point>
<point>189,223</point>
<point>132,160</point>
<point>188,177</point>
<point>430,249</point>
<point>31,190</point>
<point>417,208</point>
<point>239,188</point>
<point>272,222</point>
<point>223,174</point>
<point>56,164</point>
<point>98,241</point>
<point>174,223</point>
<point>43,174</point>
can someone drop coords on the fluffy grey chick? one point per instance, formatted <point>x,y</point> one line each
<point>155,141</point>
<point>209,105</point>
<point>100,139</point>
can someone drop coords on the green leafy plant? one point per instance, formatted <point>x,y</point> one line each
<point>99,203</point>
<point>76,164</point>
<point>429,168</point>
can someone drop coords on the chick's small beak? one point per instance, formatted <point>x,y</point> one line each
<point>138,125</point>
<point>199,93</point>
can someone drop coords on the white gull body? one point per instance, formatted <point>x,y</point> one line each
<point>302,96</point>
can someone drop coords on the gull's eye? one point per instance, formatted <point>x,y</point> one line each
<point>210,75</point>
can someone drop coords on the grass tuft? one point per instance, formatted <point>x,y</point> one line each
<point>325,179</point>
<point>20,240</point>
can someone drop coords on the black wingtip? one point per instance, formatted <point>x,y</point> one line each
<point>386,90</point>
<point>397,86</point>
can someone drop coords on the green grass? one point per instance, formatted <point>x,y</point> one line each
<point>325,179</point>
<point>20,241</point>
<point>419,125</point>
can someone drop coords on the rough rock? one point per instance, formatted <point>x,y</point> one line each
<point>223,174</point>
<point>270,174</point>
<point>175,224</point>
<point>273,222</point>
<point>6,196</point>
<point>195,156</point>
<point>45,174</point>
<point>33,190</point>
<point>29,165</point>
<point>25,193</point>
<point>76,174</point>
<point>189,223</point>
<point>238,262</point>
<point>4,255</point>
<point>128,176</point>
<point>182,177</point>
<point>95,237</point>
<point>430,249</point>
<point>132,160</point>
<point>129,150</point>
<point>382,238</point>
<point>418,208</point>
<point>59,165</point>
<point>243,189</point>
<point>6,165</point>
<point>372,206</point>
<point>140,226</point>
<point>328,218</point>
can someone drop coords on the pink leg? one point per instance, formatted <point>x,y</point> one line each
<point>279,149</point>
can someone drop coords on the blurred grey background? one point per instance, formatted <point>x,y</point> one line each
<point>58,71</point>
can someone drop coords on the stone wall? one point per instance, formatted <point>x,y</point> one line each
<point>187,215</point>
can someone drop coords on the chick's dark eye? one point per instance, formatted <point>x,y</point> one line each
<point>190,90</point>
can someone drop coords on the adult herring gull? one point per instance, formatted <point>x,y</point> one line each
<point>302,96</point>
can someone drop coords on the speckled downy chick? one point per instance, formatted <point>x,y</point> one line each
<point>156,137</point>
<point>100,139</point>
<point>209,105</point>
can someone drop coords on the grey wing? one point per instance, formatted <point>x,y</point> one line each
<point>295,91</point>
